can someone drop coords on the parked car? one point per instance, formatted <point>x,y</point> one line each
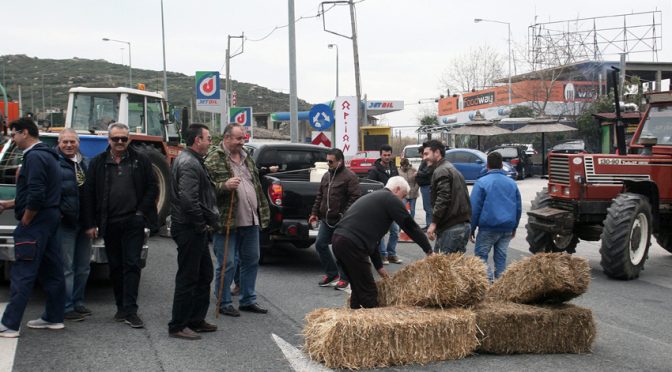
<point>472,164</point>
<point>517,156</point>
<point>363,161</point>
<point>412,153</point>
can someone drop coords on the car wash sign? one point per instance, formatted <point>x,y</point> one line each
<point>345,112</point>
<point>208,95</point>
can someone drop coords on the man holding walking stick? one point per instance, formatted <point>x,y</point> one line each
<point>244,210</point>
<point>194,214</point>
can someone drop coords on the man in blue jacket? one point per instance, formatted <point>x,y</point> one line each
<point>495,210</point>
<point>37,254</point>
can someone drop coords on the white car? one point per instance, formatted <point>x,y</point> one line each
<point>412,153</point>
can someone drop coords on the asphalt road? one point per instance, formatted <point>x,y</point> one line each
<point>633,322</point>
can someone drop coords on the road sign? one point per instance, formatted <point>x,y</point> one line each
<point>241,116</point>
<point>321,117</point>
<point>321,138</point>
<point>207,85</point>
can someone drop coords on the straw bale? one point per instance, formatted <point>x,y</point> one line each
<point>381,337</point>
<point>543,278</point>
<point>438,280</point>
<point>510,328</point>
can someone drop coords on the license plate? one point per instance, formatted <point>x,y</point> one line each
<point>365,164</point>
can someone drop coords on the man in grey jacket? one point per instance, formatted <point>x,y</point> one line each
<point>193,215</point>
<point>451,209</point>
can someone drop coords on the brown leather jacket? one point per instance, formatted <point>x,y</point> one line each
<point>450,197</point>
<point>338,190</point>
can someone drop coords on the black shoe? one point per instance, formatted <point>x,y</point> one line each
<point>73,316</point>
<point>134,321</point>
<point>185,334</point>
<point>120,316</point>
<point>229,311</point>
<point>203,326</point>
<point>254,308</point>
<point>83,310</point>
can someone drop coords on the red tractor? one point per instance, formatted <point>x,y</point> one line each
<point>621,200</point>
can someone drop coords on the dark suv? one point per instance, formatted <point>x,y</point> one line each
<point>518,157</point>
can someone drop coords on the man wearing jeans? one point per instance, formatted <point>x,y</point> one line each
<point>451,210</point>
<point>235,175</point>
<point>424,180</point>
<point>496,209</point>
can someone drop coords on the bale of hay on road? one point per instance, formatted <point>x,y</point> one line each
<point>541,278</point>
<point>382,337</point>
<point>510,328</point>
<point>438,280</point>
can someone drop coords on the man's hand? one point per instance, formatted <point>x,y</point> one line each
<point>232,183</point>
<point>273,168</point>
<point>513,234</point>
<point>6,204</point>
<point>383,273</point>
<point>472,238</point>
<point>429,253</point>
<point>312,219</point>
<point>92,232</point>
<point>431,231</point>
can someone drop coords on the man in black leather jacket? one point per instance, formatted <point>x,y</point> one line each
<point>194,213</point>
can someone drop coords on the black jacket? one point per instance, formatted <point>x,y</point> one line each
<point>39,183</point>
<point>192,194</point>
<point>70,188</point>
<point>369,219</point>
<point>450,197</point>
<point>424,175</point>
<point>95,198</point>
<point>338,190</point>
<point>380,173</point>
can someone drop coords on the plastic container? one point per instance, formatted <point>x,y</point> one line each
<point>320,169</point>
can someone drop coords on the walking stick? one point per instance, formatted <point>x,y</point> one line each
<point>222,273</point>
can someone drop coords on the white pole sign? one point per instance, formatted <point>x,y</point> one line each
<point>345,112</point>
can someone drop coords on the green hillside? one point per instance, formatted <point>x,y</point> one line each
<point>45,83</point>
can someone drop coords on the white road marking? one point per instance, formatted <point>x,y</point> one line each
<point>297,359</point>
<point>7,348</point>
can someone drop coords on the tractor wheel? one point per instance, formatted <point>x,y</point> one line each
<point>626,236</point>
<point>543,241</point>
<point>664,238</point>
<point>162,174</point>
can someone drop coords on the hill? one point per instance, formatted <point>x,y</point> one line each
<point>45,83</point>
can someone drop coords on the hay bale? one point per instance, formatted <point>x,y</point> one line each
<point>381,337</point>
<point>438,280</point>
<point>541,278</point>
<point>510,328</point>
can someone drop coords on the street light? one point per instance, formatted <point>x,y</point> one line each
<point>331,46</point>
<point>477,20</point>
<point>130,69</point>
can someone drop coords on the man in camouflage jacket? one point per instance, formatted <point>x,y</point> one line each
<point>236,176</point>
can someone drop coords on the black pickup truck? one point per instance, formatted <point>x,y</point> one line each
<point>289,191</point>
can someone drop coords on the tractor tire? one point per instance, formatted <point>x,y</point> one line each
<point>664,238</point>
<point>543,241</point>
<point>162,174</point>
<point>626,236</point>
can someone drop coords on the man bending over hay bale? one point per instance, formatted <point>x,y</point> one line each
<point>439,280</point>
<point>369,338</point>
<point>356,238</point>
<point>510,328</point>
<point>544,277</point>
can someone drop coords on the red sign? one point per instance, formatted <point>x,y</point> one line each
<point>322,139</point>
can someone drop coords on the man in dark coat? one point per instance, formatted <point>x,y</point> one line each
<point>383,169</point>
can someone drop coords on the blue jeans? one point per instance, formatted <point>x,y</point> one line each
<point>411,202</point>
<point>488,239</point>
<point>243,241</point>
<point>76,250</point>
<point>391,249</point>
<point>329,264</point>
<point>454,239</point>
<point>426,193</point>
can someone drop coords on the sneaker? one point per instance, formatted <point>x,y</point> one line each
<point>40,323</point>
<point>394,260</point>
<point>119,316</point>
<point>342,285</point>
<point>74,316</point>
<point>385,261</point>
<point>328,281</point>
<point>230,311</point>
<point>134,321</point>
<point>83,310</point>
<point>8,333</point>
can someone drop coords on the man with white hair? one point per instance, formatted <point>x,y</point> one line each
<point>357,234</point>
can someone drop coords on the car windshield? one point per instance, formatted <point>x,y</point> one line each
<point>507,152</point>
<point>412,152</point>
<point>659,124</point>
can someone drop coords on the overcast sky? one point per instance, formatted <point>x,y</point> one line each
<point>404,46</point>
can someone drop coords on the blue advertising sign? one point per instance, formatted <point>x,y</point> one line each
<point>321,117</point>
<point>207,85</point>
<point>241,116</point>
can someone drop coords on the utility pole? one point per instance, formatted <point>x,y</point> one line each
<point>293,103</point>
<point>163,39</point>
<point>227,99</point>
<point>355,54</point>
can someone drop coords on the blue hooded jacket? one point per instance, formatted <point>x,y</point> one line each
<point>39,182</point>
<point>495,203</point>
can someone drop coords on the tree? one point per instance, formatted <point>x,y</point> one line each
<point>521,112</point>
<point>476,69</point>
